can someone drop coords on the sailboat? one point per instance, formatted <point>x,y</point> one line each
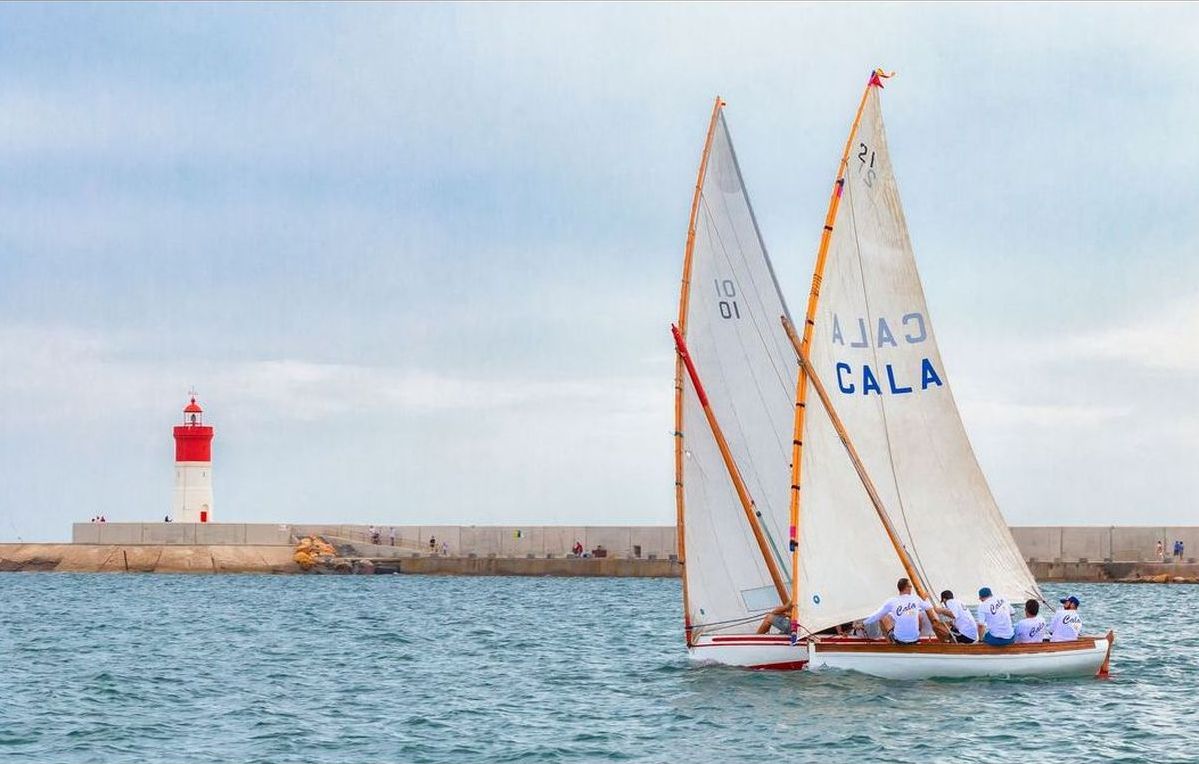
<point>815,466</point>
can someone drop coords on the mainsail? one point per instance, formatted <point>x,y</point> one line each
<point>729,309</point>
<point>868,336</point>
<point>873,346</point>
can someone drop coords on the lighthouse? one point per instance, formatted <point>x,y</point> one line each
<point>192,502</point>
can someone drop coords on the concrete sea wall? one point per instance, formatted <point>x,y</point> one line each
<point>1054,544</point>
<point>166,558</point>
<point>636,541</point>
<point>1055,553</point>
<point>1083,543</point>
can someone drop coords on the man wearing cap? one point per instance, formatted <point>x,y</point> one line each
<point>1067,623</point>
<point>994,619</point>
<point>900,615</point>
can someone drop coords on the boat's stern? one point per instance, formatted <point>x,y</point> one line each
<point>754,651</point>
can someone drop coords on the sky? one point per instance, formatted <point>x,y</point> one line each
<point>420,261</point>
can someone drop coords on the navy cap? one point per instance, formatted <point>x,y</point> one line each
<point>984,592</point>
<point>1071,599</point>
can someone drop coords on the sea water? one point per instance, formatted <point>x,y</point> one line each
<point>228,668</point>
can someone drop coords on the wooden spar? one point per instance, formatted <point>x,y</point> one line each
<point>747,503</point>
<point>801,386</point>
<point>859,467</point>
<point>684,302</point>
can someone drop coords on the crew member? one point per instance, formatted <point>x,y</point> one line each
<point>1032,627</point>
<point>963,629</point>
<point>994,619</point>
<point>1067,623</point>
<point>900,615</point>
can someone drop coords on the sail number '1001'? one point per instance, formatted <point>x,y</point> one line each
<point>726,291</point>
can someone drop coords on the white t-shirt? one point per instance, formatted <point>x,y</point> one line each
<point>905,610</point>
<point>962,620</point>
<point>996,615</point>
<point>1030,630</point>
<point>1065,626</point>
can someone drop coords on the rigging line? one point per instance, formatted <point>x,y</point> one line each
<point>782,376</point>
<point>753,377</point>
<point>779,437</point>
<point>714,532</point>
<point>748,366</point>
<point>754,219</point>
<point>721,625</point>
<point>759,492</point>
<point>853,217</point>
<point>998,522</point>
<point>755,291</point>
<point>749,270</point>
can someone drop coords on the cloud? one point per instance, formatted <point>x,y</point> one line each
<point>1001,414</point>
<point>398,242</point>
<point>64,374</point>
<point>1163,339</point>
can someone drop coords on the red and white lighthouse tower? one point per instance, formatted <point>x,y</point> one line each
<point>192,502</point>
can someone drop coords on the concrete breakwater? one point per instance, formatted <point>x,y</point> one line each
<point>1055,553</point>
<point>165,558</point>
<point>648,542</point>
<point>1038,544</point>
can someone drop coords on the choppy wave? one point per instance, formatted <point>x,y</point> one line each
<point>149,668</point>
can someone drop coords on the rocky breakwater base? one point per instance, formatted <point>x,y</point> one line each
<point>1158,578</point>
<point>147,558</point>
<point>1117,572</point>
<point>312,554</point>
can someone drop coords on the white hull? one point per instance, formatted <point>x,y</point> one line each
<point>754,651</point>
<point>1084,657</point>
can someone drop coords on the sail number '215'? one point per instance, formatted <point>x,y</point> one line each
<point>867,164</point>
<point>727,290</point>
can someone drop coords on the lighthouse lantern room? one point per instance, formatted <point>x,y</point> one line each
<point>192,501</point>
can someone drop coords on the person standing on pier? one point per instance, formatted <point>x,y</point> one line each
<point>1161,551</point>
<point>391,535</point>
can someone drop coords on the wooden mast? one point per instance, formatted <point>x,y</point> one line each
<point>908,566</point>
<point>684,302</point>
<point>747,503</point>
<point>801,386</point>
